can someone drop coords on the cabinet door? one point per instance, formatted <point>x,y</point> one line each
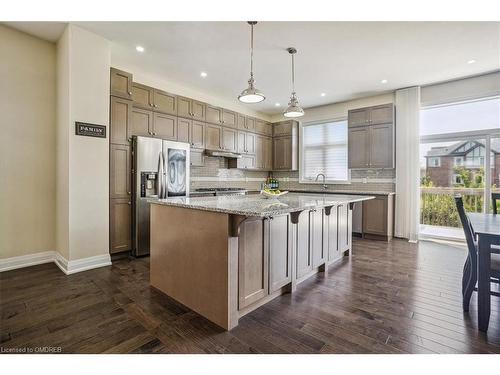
<point>304,261</point>
<point>280,252</point>
<point>142,96</point>
<point>229,118</point>
<point>229,139</point>
<point>382,114</point>
<point>268,153</point>
<point>263,127</point>
<point>278,153</point>
<point>358,117</point>
<point>358,149</point>
<point>197,158</point>
<point>165,102</point>
<point>250,143</point>
<point>165,126</point>
<point>184,107</point>
<point>141,123</point>
<point>199,110</point>
<point>120,170</point>
<point>282,128</point>
<point>259,152</point>
<point>375,216</point>
<point>242,123</point>
<point>213,135</point>
<point>197,134</point>
<point>248,161</point>
<point>343,227</point>
<point>121,84</point>
<point>331,235</point>
<point>214,114</point>
<point>250,124</point>
<point>253,268</point>
<point>316,237</point>
<point>120,225</point>
<point>382,146</point>
<point>120,117</point>
<point>183,129</point>
<point>242,147</point>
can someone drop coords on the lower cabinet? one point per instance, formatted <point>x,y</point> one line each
<point>253,267</point>
<point>330,236</point>
<point>120,217</point>
<point>343,228</point>
<point>280,252</point>
<point>310,249</point>
<point>316,237</point>
<point>303,257</point>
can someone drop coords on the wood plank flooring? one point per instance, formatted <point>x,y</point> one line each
<point>386,298</point>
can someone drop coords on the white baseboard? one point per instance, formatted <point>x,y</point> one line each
<point>26,260</point>
<point>68,267</point>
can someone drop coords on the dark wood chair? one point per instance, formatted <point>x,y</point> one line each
<point>469,277</point>
<point>494,198</point>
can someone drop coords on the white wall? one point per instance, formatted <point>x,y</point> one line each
<point>27,144</point>
<point>84,82</point>
<point>339,110</point>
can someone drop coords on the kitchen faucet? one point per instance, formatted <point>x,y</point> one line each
<point>325,186</point>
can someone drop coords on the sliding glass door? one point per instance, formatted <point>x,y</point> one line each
<point>459,154</point>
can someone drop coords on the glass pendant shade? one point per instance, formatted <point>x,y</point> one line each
<point>251,94</point>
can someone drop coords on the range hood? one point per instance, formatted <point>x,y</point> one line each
<point>222,153</point>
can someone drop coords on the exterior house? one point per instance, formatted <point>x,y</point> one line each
<point>442,161</point>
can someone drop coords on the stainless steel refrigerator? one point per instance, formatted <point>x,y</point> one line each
<point>160,170</point>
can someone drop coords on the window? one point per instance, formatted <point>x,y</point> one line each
<point>459,161</point>
<point>456,179</point>
<point>323,149</point>
<point>435,162</point>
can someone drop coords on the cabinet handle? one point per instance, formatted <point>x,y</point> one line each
<point>129,202</point>
<point>154,133</point>
<point>130,92</point>
<point>128,192</point>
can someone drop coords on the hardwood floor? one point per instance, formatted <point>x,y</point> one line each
<point>387,298</point>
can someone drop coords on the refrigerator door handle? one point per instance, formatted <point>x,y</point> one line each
<point>164,176</point>
<point>159,181</point>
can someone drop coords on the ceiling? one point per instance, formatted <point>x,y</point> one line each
<point>343,60</point>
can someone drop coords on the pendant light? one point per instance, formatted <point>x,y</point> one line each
<point>293,109</point>
<point>251,94</point>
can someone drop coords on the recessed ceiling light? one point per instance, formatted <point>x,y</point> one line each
<point>383,81</point>
<point>323,94</point>
<point>471,61</point>
<point>203,74</point>
<point>277,104</point>
<point>139,48</point>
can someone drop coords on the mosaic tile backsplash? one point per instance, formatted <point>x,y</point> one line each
<point>215,173</point>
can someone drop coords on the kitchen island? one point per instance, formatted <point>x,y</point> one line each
<point>226,256</point>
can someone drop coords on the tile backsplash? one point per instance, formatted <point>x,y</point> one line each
<point>215,173</point>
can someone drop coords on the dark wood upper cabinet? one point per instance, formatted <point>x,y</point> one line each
<point>121,84</point>
<point>120,117</point>
<point>382,114</point>
<point>190,108</point>
<point>142,96</point>
<point>164,102</point>
<point>263,127</point>
<point>197,134</point>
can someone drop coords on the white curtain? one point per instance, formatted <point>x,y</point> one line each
<point>407,218</point>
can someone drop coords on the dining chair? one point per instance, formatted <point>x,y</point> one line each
<point>469,277</point>
<point>494,198</point>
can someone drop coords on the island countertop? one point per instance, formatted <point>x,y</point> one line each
<point>259,206</point>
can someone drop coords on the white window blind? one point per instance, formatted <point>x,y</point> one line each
<point>324,150</point>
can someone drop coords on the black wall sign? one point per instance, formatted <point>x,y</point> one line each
<point>90,130</point>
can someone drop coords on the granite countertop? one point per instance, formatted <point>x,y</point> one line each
<point>357,192</point>
<point>257,205</point>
